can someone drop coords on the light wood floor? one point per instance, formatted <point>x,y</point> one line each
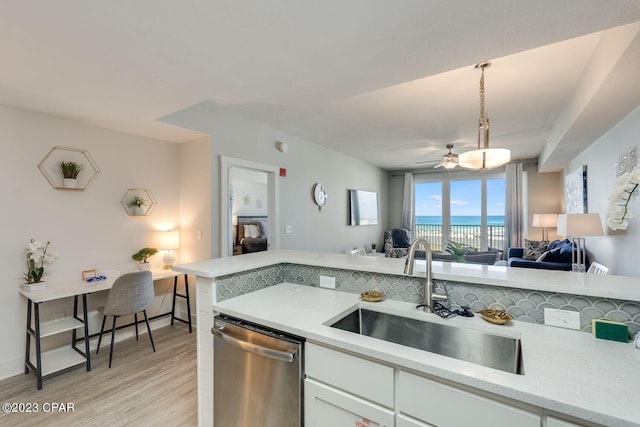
<point>142,388</point>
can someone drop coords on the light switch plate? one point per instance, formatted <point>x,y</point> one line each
<point>327,282</point>
<point>562,318</point>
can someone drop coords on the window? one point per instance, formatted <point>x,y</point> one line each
<point>465,210</point>
<point>428,211</point>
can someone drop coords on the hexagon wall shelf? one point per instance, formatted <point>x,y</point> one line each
<point>50,169</point>
<point>132,194</point>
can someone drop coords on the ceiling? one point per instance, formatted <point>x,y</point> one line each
<point>388,81</point>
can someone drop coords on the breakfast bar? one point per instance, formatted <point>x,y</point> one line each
<point>568,378</point>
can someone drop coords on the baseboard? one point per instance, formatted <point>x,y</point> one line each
<point>12,367</point>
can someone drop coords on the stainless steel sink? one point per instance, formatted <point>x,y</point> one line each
<point>482,348</point>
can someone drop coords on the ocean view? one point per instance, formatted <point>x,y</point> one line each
<point>460,220</point>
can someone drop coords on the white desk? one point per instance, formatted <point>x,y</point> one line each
<point>61,359</point>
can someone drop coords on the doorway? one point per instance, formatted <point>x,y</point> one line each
<point>248,196</point>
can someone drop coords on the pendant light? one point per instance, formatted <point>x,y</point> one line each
<point>483,157</point>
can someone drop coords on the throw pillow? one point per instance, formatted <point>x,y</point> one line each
<point>251,230</point>
<point>254,231</point>
<point>534,248</point>
<point>543,256</point>
<point>400,238</point>
<point>555,256</point>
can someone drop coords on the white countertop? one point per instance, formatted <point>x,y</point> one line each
<point>618,287</point>
<point>566,371</point>
<point>58,290</point>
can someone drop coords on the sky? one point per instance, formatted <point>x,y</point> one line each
<point>465,198</point>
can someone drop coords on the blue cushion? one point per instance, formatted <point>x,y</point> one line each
<point>400,238</point>
<point>553,256</point>
<point>566,248</point>
<point>555,244</point>
<point>560,251</point>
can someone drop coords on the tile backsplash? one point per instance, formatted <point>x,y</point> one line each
<point>523,305</point>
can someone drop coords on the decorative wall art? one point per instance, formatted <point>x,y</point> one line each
<point>138,202</point>
<point>69,168</point>
<point>575,191</point>
<point>319,195</point>
<point>626,161</point>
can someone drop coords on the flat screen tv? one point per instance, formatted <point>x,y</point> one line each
<point>363,207</point>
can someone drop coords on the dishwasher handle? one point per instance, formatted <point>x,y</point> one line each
<point>285,356</point>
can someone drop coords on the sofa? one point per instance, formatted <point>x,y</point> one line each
<point>472,257</point>
<point>555,256</point>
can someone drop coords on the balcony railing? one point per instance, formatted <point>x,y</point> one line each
<point>467,234</point>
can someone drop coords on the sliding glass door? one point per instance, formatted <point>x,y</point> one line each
<point>496,193</point>
<point>428,211</point>
<point>466,211</point>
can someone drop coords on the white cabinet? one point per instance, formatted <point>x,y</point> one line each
<point>436,403</point>
<point>556,422</point>
<point>327,406</point>
<point>341,390</point>
<point>364,378</point>
<point>403,421</point>
<point>346,390</point>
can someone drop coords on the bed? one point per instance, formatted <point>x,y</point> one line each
<point>251,234</point>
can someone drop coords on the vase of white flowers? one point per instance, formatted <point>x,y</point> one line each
<point>36,257</point>
<point>618,211</point>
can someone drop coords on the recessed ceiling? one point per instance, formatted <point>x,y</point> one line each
<point>389,82</point>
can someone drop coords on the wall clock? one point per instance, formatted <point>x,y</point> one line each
<point>319,195</point>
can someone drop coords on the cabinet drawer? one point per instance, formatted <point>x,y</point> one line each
<point>556,422</point>
<point>326,406</point>
<point>361,377</point>
<point>402,421</point>
<point>440,404</point>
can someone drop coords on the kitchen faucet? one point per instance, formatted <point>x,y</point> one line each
<point>429,295</point>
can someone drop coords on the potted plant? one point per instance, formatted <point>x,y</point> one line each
<point>70,171</point>
<point>142,255</point>
<point>458,250</point>
<point>137,203</point>
<point>36,257</point>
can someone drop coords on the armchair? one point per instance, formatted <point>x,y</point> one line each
<point>396,242</point>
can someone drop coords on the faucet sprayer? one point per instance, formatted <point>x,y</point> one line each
<point>429,295</point>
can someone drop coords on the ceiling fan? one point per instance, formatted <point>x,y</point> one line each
<point>448,161</point>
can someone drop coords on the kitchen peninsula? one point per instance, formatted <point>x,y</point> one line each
<point>569,376</point>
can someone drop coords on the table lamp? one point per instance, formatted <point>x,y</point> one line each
<point>577,226</point>
<point>168,241</point>
<point>545,221</point>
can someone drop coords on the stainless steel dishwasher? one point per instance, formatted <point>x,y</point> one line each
<point>257,375</point>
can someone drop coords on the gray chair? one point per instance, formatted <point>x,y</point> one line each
<point>131,293</point>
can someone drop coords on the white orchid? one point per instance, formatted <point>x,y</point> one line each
<point>618,213</point>
<point>36,257</point>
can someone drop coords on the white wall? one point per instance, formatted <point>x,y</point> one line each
<point>617,249</point>
<point>545,194</point>
<point>87,229</point>
<point>306,164</point>
<point>246,197</point>
<point>195,197</point>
